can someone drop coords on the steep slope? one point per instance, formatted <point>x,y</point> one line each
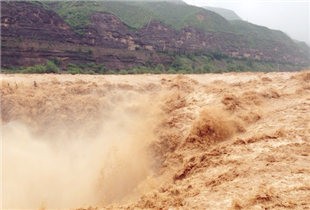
<point>137,14</point>
<point>32,34</point>
<point>226,13</point>
<point>121,35</point>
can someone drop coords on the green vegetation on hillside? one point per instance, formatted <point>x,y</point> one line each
<point>183,64</point>
<point>176,14</point>
<point>48,67</point>
<point>77,13</point>
<point>225,13</point>
<point>259,32</point>
<point>137,14</point>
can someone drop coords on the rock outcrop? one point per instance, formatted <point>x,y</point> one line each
<point>32,34</point>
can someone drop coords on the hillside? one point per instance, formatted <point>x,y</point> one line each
<point>167,35</point>
<point>137,14</point>
<point>225,13</point>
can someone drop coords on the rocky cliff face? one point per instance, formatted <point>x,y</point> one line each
<point>26,20</point>
<point>32,34</point>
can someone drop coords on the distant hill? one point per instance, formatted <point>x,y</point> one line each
<point>226,13</point>
<point>126,34</point>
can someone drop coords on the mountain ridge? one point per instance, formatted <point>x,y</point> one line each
<point>107,40</point>
<point>226,13</point>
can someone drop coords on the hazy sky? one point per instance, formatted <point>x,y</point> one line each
<point>291,17</point>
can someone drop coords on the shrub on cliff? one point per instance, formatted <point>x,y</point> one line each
<point>37,69</point>
<point>73,69</point>
<point>51,67</point>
